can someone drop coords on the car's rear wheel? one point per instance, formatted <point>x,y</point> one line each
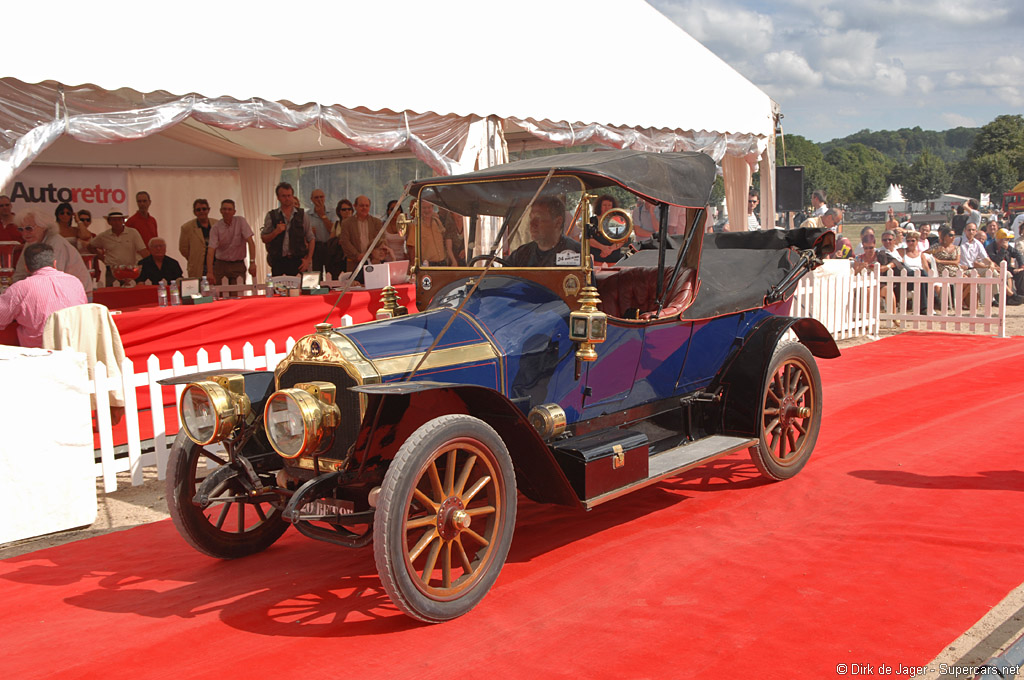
<point>790,414</point>
<point>444,518</point>
<point>224,529</point>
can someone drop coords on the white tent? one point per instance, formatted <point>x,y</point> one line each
<point>894,199</point>
<point>453,82</point>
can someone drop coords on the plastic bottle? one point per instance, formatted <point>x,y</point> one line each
<point>175,294</point>
<point>161,293</point>
<point>204,287</point>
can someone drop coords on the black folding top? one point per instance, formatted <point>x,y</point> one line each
<point>681,178</point>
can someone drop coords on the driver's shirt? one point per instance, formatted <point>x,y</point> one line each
<point>529,255</point>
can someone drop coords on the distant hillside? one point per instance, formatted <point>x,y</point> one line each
<point>906,144</point>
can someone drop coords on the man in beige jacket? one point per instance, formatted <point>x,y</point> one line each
<point>358,231</point>
<point>194,238</point>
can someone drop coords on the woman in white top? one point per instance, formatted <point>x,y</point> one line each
<point>917,264</point>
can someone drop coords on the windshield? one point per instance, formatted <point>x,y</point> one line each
<point>525,222</point>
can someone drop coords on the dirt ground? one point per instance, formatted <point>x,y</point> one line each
<point>131,506</point>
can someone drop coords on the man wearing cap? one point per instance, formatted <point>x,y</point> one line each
<point>1000,251</point>
<point>30,300</point>
<point>142,221</point>
<point>36,229</point>
<point>119,245</point>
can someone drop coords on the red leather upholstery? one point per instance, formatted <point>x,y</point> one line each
<point>636,287</point>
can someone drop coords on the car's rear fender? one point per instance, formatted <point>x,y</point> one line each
<point>396,410</point>
<point>744,372</point>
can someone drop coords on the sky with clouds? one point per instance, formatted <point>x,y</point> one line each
<point>839,67</point>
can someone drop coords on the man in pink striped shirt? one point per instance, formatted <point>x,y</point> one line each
<point>31,300</point>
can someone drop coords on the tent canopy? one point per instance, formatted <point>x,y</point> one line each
<point>612,73</point>
<point>451,83</point>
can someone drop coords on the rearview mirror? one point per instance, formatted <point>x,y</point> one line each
<point>616,225</point>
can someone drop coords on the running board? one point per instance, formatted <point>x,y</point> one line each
<point>674,461</point>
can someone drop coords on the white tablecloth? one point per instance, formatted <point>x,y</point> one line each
<point>47,473</point>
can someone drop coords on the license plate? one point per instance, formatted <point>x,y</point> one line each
<point>328,506</point>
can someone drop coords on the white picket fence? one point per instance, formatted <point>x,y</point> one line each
<point>947,313</point>
<point>851,305</point>
<point>846,304</point>
<point>108,465</point>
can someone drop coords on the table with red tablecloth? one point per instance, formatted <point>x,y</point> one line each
<point>117,297</point>
<point>233,322</point>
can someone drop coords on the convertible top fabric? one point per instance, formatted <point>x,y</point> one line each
<point>737,269</point>
<point>681,178</point>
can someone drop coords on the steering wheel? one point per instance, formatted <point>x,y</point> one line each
<point>487,256</point>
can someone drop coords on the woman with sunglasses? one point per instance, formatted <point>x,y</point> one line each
<point>946,256</point>
<point>335,261</point>
<point>916,263</point>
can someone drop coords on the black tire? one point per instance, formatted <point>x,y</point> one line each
<point>448,499</point>
<point>253,527</point>
<point>790,413</point>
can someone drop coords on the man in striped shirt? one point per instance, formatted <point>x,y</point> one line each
<point>31,300</point>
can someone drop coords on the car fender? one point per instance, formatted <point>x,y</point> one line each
<point>396,410</point>
<point>741,378</point>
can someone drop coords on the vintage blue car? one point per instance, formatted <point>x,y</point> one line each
<point>566,350</point>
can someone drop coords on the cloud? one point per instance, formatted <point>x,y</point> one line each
<point>955,79</point>
<point>789,70</point>
<point>1013,96</point>
<point>882,15</point>
<point>1004,72</point>
<point>850,60</point>
<point>957,120</point>
<point>924,84</point>
<point>726,29</point>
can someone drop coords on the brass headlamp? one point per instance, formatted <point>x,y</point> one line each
<point>302,419</point>
<point>211,409</point>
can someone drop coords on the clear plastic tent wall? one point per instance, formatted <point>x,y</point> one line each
<point>33,116</point>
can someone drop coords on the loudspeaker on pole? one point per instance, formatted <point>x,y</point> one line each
<point>789,188</point>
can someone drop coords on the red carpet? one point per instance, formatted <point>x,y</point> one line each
<point>902,531</point>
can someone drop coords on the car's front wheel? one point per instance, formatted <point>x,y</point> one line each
<point>790,415</point>
<point>231,526</point>
<point>444,518</point>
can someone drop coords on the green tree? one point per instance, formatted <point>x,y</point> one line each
<point>1005,133</point>
<point>927,179</point>
<point>995,162</point>
<point>860,175</point>
<point>897,173</point>
<point>818,174</point>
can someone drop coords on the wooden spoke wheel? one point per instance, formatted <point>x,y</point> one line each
<point>445,518</point>
<point>790,412</point>
<point>226,528</point>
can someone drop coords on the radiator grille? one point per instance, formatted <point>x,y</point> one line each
<point>348,401</point>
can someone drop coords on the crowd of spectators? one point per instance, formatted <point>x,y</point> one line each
<point>977,250</point>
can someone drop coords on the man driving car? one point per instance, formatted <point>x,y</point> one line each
<point>549,247</point>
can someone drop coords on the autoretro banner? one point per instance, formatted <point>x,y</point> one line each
<point>42,188</point>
